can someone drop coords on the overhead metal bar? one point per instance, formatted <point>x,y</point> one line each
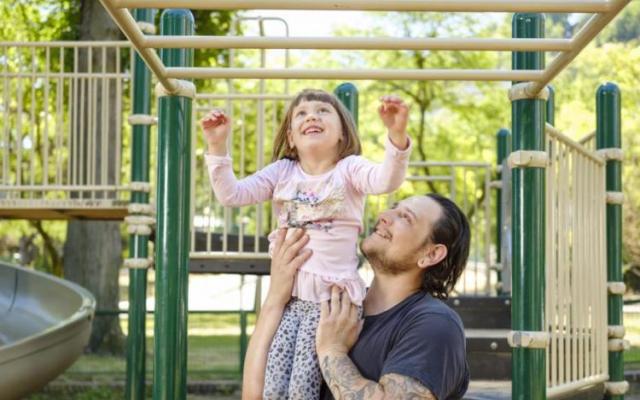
<point>549,6</point>
<point>129,27</point>
<point>355,74</point>
<point>359,43</point>
<point>579,42</point>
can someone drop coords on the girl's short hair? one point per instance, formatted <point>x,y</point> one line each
<point>350,143</point>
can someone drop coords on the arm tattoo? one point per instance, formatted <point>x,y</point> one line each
<point>398,386</point>
<point>346,382</point>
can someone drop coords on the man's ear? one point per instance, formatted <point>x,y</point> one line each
<point>432,255</point>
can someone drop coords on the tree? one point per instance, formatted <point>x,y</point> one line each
<point>93,249</point>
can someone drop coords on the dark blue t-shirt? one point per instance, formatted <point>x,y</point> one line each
<point>421,338</point>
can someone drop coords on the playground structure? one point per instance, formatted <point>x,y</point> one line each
<point>559,334</point>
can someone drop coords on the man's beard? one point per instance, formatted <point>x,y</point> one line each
<point>382,263</point>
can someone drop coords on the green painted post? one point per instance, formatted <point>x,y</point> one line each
<point>503,141</point>
<point>138,245</point>
<point>528,223</point>
<point>172,231</point>
<point>551,107</point>
<point>347,93</point>
<point>243,339</point>
<point>608,137</point>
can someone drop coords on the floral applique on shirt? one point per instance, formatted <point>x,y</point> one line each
<point>314,206</point>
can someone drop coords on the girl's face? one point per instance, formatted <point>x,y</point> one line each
<point>315,129</point>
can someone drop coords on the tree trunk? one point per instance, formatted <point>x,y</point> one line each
<point>93,249</point>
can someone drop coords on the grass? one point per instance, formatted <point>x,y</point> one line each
<point>213,355</point>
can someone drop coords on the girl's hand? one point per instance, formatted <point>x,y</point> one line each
<point>394,114</point>
<point>287,257</point>
<point>216,126</point>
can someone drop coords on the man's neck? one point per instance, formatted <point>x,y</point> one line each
<point>388,290</point>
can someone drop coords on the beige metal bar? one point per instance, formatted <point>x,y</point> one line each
<point>551,130</point>
<point>454,164</point>
<point>561,390</point>
<point>5,121</point>
<point>240,96</point>
<point>228,254</point>
<point>579,42</point>
<point>587,138</point>
<point>584,6</point>
<point>355,74</point>
<point>68,43</point>
<point>45,111</point>
<point>71,188</point>
<point>356,43</point>
<point>129,27</point>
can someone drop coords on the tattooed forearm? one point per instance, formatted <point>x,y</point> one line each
<point>398,386</point>
<point>344,379</point>
<point>346,382</point>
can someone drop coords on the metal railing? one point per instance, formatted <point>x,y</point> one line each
<point>576,291</point>
<point>62,125</point>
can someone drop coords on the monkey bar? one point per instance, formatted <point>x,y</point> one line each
<point>604,11</point>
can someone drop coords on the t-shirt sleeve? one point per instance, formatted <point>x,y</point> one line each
<point>431,349</point>
<point>368,177</point>
<point>253,189</point>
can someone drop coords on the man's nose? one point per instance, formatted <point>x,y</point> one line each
<point>385,218</point>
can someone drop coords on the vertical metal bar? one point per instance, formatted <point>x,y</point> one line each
<point>608,136</point>
<point>104,118</point>
<point>528,223</point>
<point>19,121</point>
<point>59,119</point>
<point>45,112</point>
<point>138,245</point>
<point>32,121</point>
<point>118,121</point>
<point>91,123</point>
<point>550,245</point>
<point>503,139</point>
<point>172,234</point>
<point>5,121</point>
<point>347,93</point>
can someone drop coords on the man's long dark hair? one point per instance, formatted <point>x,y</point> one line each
<point>452,231</point>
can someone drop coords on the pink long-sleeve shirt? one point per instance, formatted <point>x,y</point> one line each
<point>329,206</point>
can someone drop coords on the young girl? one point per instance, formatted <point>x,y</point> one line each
<point>318,182</point>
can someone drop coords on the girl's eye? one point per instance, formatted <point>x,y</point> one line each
<point>324,110</point>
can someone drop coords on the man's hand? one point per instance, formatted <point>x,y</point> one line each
<point>287,257</point>
<point>339,325</point>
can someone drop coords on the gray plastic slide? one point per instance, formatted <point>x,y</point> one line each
<point>45,323</point>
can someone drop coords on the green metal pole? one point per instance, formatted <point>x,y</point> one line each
<point>551,106</point>
<point>347,93</point>
<point>528,217</point>
<point>503,141</point>
<point>138,244</point>
<point>172,231</point>
<point>607,137</point>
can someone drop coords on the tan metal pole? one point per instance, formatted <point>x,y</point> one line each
<point>356,43</point>
<point>580,41</point>
<point>129,27</point>
<point>584,6</point>
<point>355,74</point>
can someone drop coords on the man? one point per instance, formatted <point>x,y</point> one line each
<point>410,345</point>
